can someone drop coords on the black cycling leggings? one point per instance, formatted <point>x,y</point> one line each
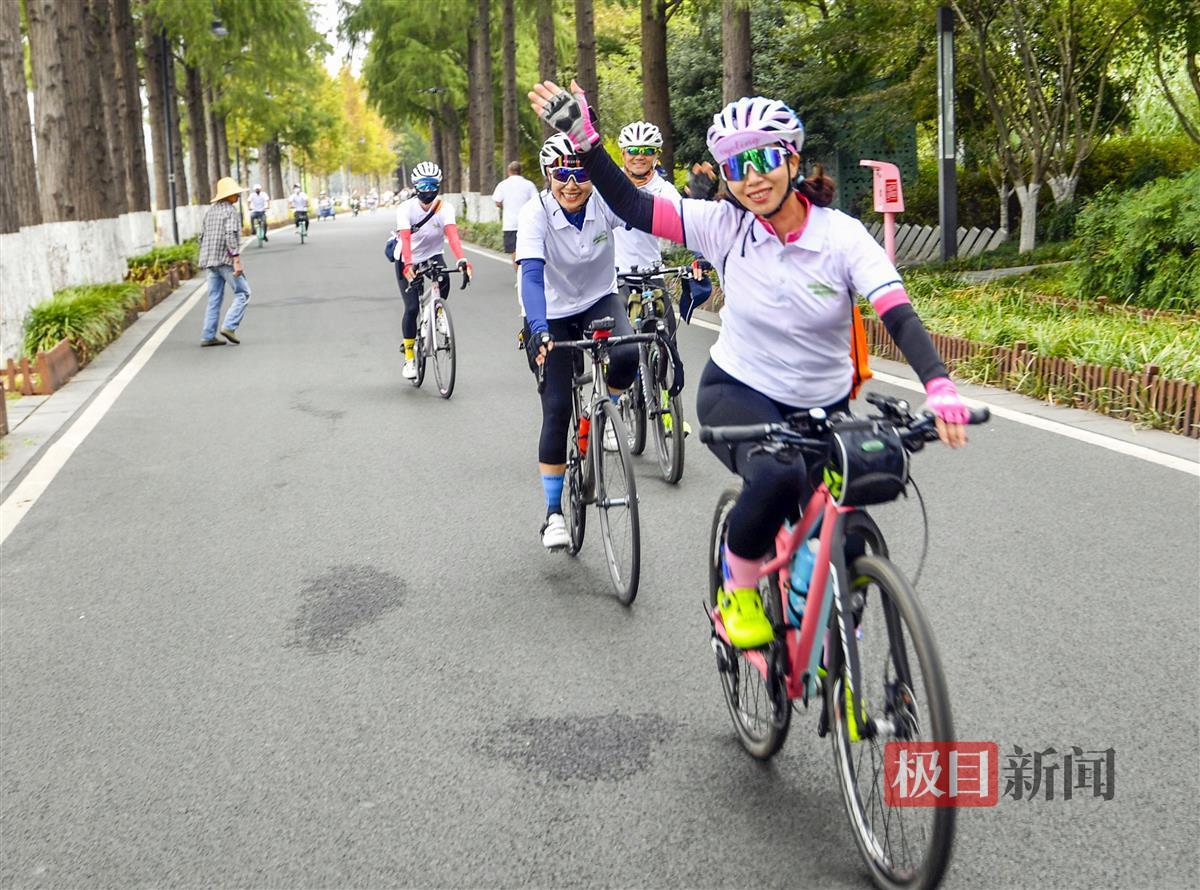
<point>774,489</point>
<point>412,297</point>
<point>560,368</point>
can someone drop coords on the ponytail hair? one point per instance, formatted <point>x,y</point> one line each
<point>818,188</point>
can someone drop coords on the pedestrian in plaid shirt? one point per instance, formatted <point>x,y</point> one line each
<point>220,254</point>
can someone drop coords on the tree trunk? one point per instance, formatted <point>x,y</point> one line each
<point>656,99</point>
<point>1027,196</point>
<point>129,107</point>
<point>202,184</point>
<point>585,52</point>
<point>509,119</point>
<point>224,155</point>
<point>275,164</point>
<point>1062,187</point>
<point>69,142</point>
<point>547,51</point>
<point>487,105</point>
<point>1005,193</point>
<point>103,75</point>
<point>474,111</point>
<point>152,54</point>
<point>19,205</point>
<point>737,79</point>
<point>437,144</point>
<point>451,145</point>
<point>181,183</point>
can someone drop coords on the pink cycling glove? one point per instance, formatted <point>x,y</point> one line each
<point>571,115</point>
<point>944,401</point>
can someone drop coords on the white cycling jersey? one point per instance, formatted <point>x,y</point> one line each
<point>259,202</point>
<point>426,241</point>
<point>635,247</point>
<point>299,201</point>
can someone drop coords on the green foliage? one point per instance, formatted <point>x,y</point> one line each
<point>978,199</point>
<point>152,266</point>
<point>1141,247</point>
<point>1127,162</point>
<point>1003,313</point>
<point>485,234</point>
<point>90,317</point>
<point>1004,257</point>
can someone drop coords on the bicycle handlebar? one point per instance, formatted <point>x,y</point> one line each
<point>917,429</point>
<point>639,276</point>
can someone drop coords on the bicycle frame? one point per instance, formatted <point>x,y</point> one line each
<point>825,590</point>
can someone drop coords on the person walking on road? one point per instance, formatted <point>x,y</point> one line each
<point>220,254</point>
<point>510,196</point>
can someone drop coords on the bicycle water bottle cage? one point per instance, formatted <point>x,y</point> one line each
<point>868,463</point>
<point>601,328</point>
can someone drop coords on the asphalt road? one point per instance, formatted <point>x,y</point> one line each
<point>284,621</point>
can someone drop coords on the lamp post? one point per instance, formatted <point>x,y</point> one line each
<point>947,171</point>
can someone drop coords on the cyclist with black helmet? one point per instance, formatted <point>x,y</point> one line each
<point>421,224</point>
<point>568,279</point>
<point>791,267</point>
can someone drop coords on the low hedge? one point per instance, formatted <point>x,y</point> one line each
<point>1140,247</point>
<point>485,234</point>
<point>153,265</point>
<point>90,317</point>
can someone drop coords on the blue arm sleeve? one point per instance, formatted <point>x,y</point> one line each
<point>533,294</point>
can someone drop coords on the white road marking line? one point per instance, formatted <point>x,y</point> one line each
<point>491,255</point>
<point>1141,452</point>
<point>17,504</point>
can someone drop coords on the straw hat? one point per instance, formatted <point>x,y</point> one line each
<point>226,186</point>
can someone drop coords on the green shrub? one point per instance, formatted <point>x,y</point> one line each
<point>1141,247</point>
<point>485,234</point>
<point>91,317</point>
<point>153,265</point>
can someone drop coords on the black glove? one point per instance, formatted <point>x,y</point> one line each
<point>534,344</point>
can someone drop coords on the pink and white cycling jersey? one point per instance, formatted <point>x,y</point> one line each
<point>785,327</point>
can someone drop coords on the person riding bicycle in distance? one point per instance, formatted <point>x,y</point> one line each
<point>568,279</point>
<point>299,204</point>
<point>421,224</point>
<point>259,202</point>
<point>791,267</point>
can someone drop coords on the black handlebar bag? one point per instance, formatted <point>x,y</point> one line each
<point>868,464</point>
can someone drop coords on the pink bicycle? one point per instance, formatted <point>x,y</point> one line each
<point>856,637</point>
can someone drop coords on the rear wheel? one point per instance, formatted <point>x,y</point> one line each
<point>443,349</point>
<point>756,696</point>
<point>666,419</point>
<point>903,697</point>
<point>616,499</point>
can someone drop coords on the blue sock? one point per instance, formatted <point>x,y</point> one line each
<point>553,486</point>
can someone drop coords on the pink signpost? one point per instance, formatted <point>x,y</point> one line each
<point>889,200</point>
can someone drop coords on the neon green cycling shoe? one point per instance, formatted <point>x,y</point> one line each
<point>745,621</point>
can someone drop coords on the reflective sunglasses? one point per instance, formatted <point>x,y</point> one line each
<point>642,150</point>
<point>566,174</point>
<point>427,185</point>
<point>764,160</point>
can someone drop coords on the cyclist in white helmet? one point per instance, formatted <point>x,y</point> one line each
<point>568,279</point>
<point>791,268</point>
<point>421,223</point>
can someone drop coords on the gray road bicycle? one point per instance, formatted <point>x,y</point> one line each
<point>435,328</point>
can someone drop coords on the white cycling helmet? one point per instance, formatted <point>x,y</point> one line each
<point>557,148</point>
<point>753,122</point>
<point>258,186</point>
<point>426,170</point>
<point>640,133</point>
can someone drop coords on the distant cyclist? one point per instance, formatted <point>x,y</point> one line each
<point>259,202</point>
<point>299,204</point>
<point>421,224</point>
<point>568,279</point>
<point>791,268</point>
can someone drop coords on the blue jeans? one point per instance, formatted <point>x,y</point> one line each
<point>218,277</point>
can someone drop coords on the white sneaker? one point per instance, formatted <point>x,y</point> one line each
<point>554,532</point>
<point>410,370</point>
<point>610,438</point>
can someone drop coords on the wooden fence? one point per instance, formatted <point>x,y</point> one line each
<point>916,244</point>
<point>1128,395</point>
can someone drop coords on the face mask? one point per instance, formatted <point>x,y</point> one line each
<point>426,197</point>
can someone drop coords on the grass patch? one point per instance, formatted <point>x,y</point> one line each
<point>153,265</point>
<point>1006,312</point>
<point>90,316</point>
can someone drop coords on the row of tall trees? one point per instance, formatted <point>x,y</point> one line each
<point>223,81</point>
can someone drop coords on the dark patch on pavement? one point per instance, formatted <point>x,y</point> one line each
<point>608,747</point>
<point>341,601</point>
<point>323,413</point>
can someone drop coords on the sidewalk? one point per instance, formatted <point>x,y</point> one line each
<point>36,421</point>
